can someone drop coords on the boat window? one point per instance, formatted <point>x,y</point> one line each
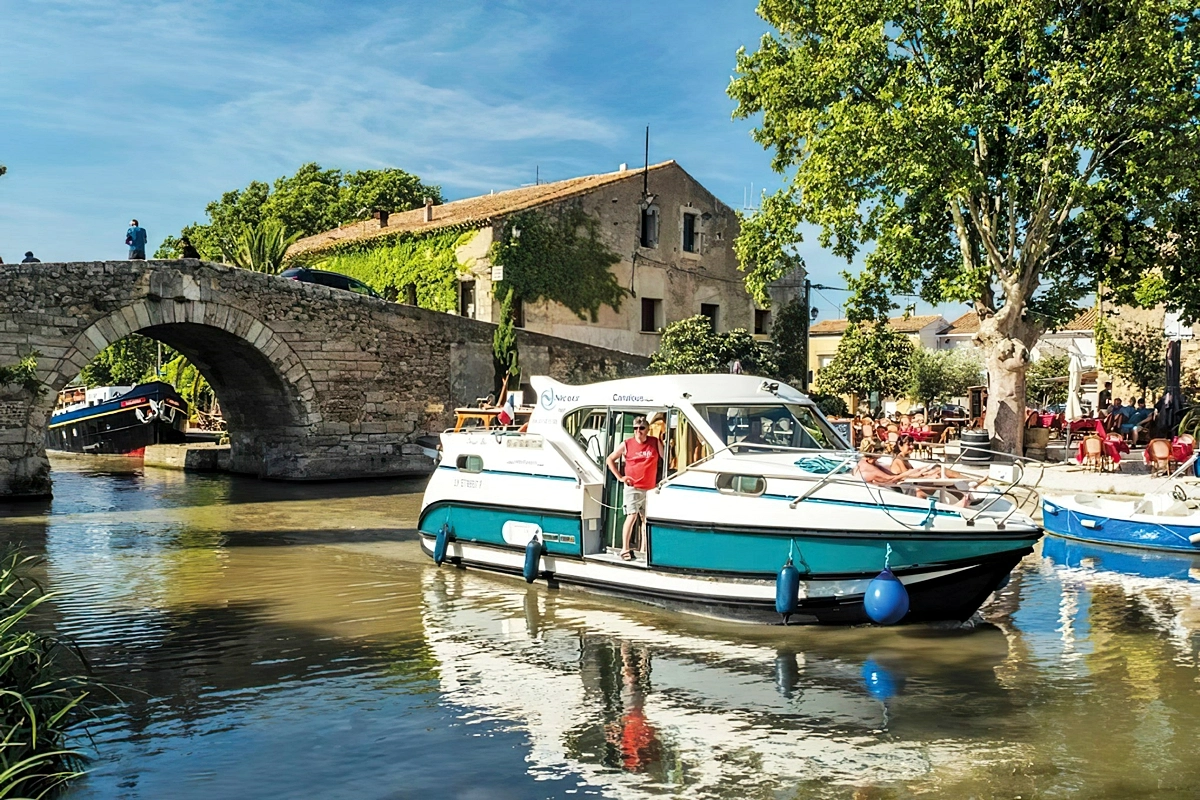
<point>741,484</point>
<point>687,445</point>
<point>470,463</point>
<point>587,426</point>
<point>764,427</point>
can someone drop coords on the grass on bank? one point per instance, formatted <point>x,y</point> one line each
<point>42,694</point>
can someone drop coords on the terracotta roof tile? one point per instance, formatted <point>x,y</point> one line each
<point>967,323</point>
<point>468,211</point>
<point>1085,320</point>
<point>911,324</point>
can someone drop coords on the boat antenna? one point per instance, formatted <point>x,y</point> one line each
<point>646,167</point>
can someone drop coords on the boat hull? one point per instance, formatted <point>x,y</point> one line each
<point>150,414</point>
<point>938,592</point>
<point>1061,517</point>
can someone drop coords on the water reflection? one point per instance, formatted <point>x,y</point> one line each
<point>282,640</point>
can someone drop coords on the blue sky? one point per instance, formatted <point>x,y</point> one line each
<point>152,109</point>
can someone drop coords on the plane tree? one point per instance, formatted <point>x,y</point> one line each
<point>1015,154</point>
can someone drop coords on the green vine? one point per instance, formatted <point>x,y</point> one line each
<point>23,374</point>
<point>557,255</point>
<point>429,261</point>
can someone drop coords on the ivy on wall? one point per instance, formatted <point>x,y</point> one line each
<point>429,261</point>
<point>557,255</point>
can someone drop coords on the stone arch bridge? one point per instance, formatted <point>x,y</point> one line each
<point>315,383</point>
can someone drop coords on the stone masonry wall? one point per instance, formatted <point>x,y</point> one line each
<point>316,383</point>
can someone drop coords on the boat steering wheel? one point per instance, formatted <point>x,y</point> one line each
<point>1179,493</point>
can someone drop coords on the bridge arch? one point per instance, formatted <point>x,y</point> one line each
<point>265,390</point>
<point>317,383</point>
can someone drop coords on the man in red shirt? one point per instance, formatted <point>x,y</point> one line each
<point>642,453</point>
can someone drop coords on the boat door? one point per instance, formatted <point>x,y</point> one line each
<point>620,426</point>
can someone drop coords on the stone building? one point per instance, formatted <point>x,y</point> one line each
<point>673,238</point>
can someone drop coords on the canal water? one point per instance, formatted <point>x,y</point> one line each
<point>274,640</point>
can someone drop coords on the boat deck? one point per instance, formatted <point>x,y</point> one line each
<point>614,557</point>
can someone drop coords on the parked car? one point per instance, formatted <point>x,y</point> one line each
<point>334,280</point>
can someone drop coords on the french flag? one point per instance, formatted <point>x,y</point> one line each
<point>508,412</point>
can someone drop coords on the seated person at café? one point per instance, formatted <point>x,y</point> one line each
<point>1115,417</point>
<point>1136,422</point>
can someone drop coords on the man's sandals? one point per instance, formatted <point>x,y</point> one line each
<point>627,555</point>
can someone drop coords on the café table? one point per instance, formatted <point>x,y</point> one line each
<point>1114,446</point>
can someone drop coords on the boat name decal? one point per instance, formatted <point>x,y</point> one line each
<point>631,398</point>
<point>133,402</point>
<point>548,398</point>
<point>468,483</point>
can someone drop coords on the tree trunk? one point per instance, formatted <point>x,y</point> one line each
<point>1006,342</point>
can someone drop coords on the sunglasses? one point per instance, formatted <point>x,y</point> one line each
<point>641,427</point>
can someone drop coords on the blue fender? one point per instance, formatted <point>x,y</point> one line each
<point>444,537</point>
<point>886,600</point>
<point>787,591</point>
<point>533,560</point>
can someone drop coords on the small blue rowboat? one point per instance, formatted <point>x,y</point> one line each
<point>1166,521</point>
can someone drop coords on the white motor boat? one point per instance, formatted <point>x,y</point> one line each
<point>755,478</point>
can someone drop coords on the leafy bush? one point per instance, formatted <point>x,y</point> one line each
<point>41,697</point>
<point>831,405</point>
<point>23,373</point>
<point>870,358</point>
<point>691,346</point>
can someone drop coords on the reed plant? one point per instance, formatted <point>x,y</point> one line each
<point>42,693</point>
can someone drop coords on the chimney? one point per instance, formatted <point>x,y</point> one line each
<point>428,209</point>
<point>382,216</point>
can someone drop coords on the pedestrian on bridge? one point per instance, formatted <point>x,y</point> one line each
<point>30,258</point>
<point>135,237</point>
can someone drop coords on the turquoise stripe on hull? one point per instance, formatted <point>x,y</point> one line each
<point>485,526</point>
<point>817,555</point>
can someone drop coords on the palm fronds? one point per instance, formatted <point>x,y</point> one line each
<point>260,248</point>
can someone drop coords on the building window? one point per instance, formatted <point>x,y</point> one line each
<point>466,299</point>
<point>689,233</point>
<point>652,319</point>
<point>649,229</point>
<point>711,311</point>
<point>762,321</point>
<point>518,312</point>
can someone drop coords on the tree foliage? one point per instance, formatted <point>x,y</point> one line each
<point>1041,371</point>
<point>312,200</point>
<point>1135,354</point>
<point>938,375</point>
<point>557,255</point>
<point>23,373</point>
<point>871,357</point>
<point>429,261</point>
<point>260,248</point>
<point>1010,154</point>
<point>691,346</point>
<point>789,332</point>
<point>504,343</point>
<point>131,360</point>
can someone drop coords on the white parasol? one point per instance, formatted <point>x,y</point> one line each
<point>1074,411</point>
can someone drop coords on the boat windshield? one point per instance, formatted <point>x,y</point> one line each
<point>765,427</point>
